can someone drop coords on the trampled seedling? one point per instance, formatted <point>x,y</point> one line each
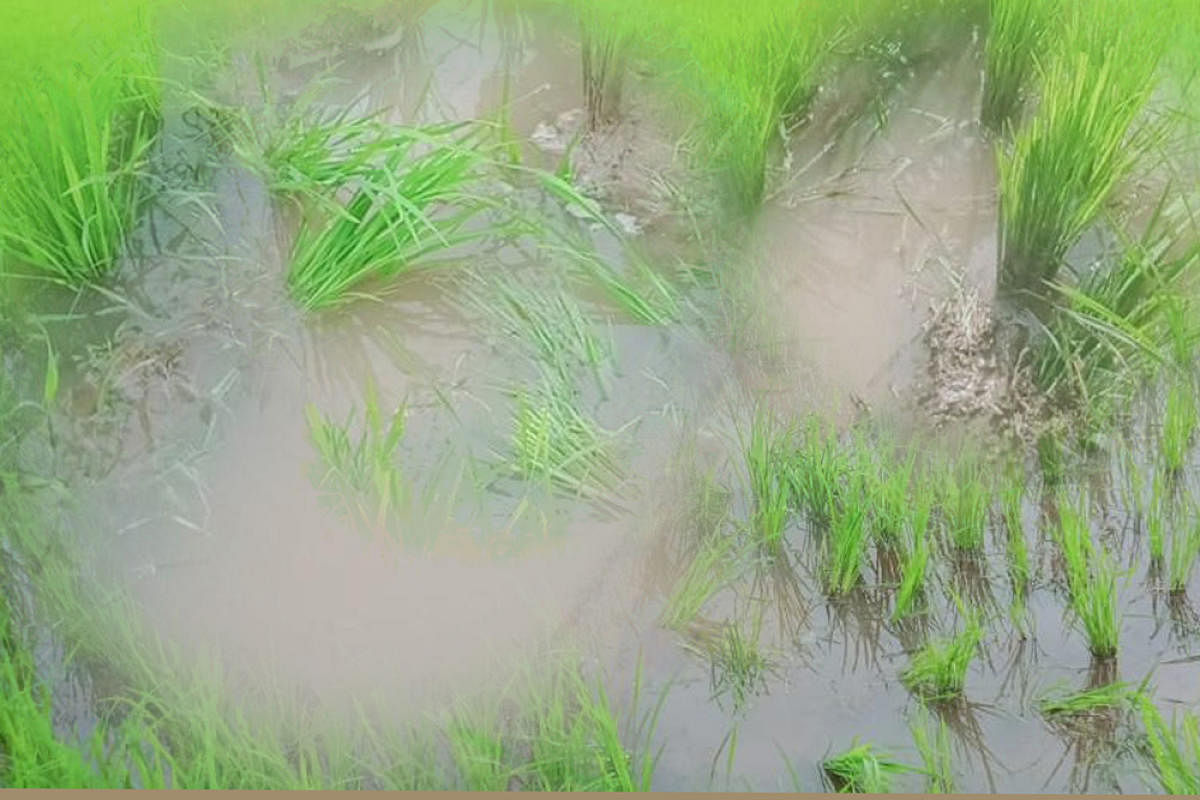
<point>1087,701</point>
<point>863,769</point>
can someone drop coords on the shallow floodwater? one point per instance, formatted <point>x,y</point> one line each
<point>203,500</point>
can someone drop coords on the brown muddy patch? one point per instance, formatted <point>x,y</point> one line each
<point>868,232</point>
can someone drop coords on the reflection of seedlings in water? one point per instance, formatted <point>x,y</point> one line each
<point>863,769</point>
<point>858,618</point>
<point>932,740</point>
<point>362,476</point>
<point>738,667</point>
<point>777,580</point>
<point>962,718</point>
<point>555,443</point>
<point>938,672</point>
<point>1091,578</point>
<point>1174,750</point>
<point>970,580</point>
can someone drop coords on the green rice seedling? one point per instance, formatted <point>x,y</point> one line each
<point>362,476</point>
<point>1174,750</point>
<point>712,568</point>
<point>1179,425</point>
<point>1016,34</point>
<point>75,140</point>
<point>554,442</point>
<point>846,549</point>
<point>915,571</point>
<point>863,769</point>
<point>480,753</point>
<point>1088,701</point>
<point>933,743</point>
<point>768,484</point>
<point>1185,549</point>
<point>965,501</point>
<point>938,671</point>
<point>1091,580</point>
<point>1062,167</point>
<point>738,666</point>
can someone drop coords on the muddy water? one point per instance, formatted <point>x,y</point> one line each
<point>209,514</point>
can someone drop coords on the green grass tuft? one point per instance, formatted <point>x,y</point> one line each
<point>1017,30</point>
<point>1174,750</point>
<point>1091,579</point>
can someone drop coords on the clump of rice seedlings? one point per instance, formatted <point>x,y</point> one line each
<point>362,476</point>
<point>75,142</point>
<point>768,484</point>
<point>1016,33</point>
<point>914,572</point>
<point>846,549</point>
<point>554,442</point>
<point>738,666</point>
<point>1063,165</point>
<point>1091,580</point>
<point>1185,549</point>
<point>933,743</point>
<point>1174,750</point>
<point>712,568</point>
<point>965,501</point>
<point>938,671</point>
<point>1179,425</point>
<point>863,769</point>
<point>1089,701</point>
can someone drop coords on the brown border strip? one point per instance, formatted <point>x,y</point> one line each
<point>83,794</point>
